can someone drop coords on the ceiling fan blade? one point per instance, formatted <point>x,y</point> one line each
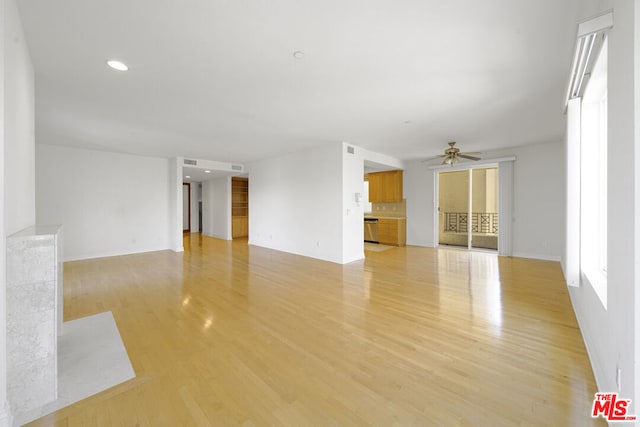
<point>466,156</point>
<point>472,153</point>
<point>429,159</point>
<point>439,156</point>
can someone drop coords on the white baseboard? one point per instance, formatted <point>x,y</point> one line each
<point>421,243</point>
<point>536,256</point>
<point>218,236</point>
<point>119,253</point>
<point>299,253</point>
<point>585,332</point>
<point>353,259</point>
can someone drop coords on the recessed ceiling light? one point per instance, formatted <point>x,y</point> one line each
<point>187,176</point>
<point>207,171</point>
<point>117,65</point>
<point>298,54</point>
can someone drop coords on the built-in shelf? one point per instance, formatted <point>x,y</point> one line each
<point>239,207</point>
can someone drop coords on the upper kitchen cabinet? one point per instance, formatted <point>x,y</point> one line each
<point>385,187</point>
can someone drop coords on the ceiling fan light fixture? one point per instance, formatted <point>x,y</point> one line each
<point>452,155</point>
<point>450,161</point>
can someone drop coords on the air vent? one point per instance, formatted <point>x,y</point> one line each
<point>236,167</point>
<point>350,150</point>
<point>190,162</point>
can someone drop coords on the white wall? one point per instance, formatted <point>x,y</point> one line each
<point>380,159</point>
<point>353,212</point>
<point>207,208</point>
<point>216,208</point>
<point>636,278</point>
<point>537,204</point>
<point>174,184</point>
<point>17,177</point>
<point>295,203</point>
<point>19,172</point>
<point>222,208</point>
<point>304,202</point>
<point>609,333</point>
<point>109,204</point>
<point>196,198</point>
<point>419,190</point>
<point>5,415</point>
<point>537,199</point>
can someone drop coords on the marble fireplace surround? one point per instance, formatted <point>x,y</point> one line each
<point>51,364</point>
<point>91,359</point>
<point>34,316</point>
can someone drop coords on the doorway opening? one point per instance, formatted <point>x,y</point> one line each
<point>468,208</point>
<point>186,207</point>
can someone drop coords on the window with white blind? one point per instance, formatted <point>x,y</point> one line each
<point>593,182</point>
<point>585,260</point>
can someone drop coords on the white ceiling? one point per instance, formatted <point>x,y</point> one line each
<point>217,79</point>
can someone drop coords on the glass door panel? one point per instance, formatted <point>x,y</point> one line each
<point>484,211</point>
<point>453,208</point>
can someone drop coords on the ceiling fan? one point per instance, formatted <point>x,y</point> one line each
<point>452,155</point>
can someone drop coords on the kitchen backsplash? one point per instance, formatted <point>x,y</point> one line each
<point>390,209</point>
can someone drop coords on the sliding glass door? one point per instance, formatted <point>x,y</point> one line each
<point>468,208</point>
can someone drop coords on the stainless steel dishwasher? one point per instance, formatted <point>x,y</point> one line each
<point>371,230</point>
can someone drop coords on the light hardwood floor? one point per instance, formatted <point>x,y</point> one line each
<point>231,334</point>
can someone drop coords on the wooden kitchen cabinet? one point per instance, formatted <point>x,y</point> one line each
<point>375,187</point>
<point>385,187</point>
<point>392,186</point>
<point>392,231</point>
